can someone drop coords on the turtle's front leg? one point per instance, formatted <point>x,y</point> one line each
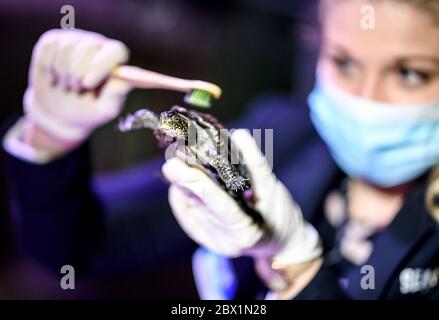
<point>141,119</point>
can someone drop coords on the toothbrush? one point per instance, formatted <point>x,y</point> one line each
<point>198,93</point>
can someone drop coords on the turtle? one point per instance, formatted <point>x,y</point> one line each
<point>204,142</point>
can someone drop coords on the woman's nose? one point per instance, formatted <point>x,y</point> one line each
<point>371,88</point>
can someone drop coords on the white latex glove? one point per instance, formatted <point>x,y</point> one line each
<point>66,67</point>
<point>214,220</point>
<point>69,93</point>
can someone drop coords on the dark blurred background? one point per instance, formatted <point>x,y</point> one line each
<point>248,47</point>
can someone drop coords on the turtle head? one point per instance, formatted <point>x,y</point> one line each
<point>174,124</point>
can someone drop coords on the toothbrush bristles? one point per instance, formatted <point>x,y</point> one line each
<point>198,98</point>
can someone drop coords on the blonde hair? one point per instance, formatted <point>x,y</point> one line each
<point>429,6</point>
<point>432,194</point>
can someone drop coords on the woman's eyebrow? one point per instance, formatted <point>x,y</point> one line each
<point>340,50</point>
<point>335,47</point>
<point>428,58</point>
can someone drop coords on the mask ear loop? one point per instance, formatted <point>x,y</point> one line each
<point>432,194</point>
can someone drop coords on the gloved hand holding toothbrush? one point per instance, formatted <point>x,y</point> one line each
<point>76,83</point>
<point>69,93</point>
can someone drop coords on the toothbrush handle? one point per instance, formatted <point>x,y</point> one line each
<point>146,79</point>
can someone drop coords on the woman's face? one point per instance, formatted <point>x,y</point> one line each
<point>396,62</point>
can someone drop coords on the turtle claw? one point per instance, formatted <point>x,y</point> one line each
<point>238,183</point>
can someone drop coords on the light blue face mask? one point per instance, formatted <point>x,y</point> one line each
<point>380,143</point>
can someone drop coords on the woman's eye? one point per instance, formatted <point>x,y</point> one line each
<point>413,77</point>
<point>343,64</point>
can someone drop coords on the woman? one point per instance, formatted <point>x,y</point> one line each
<point>375,105</point>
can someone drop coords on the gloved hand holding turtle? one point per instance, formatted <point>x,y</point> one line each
<point>213,208</point>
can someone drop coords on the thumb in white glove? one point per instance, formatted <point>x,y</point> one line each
<point>213,219</point>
